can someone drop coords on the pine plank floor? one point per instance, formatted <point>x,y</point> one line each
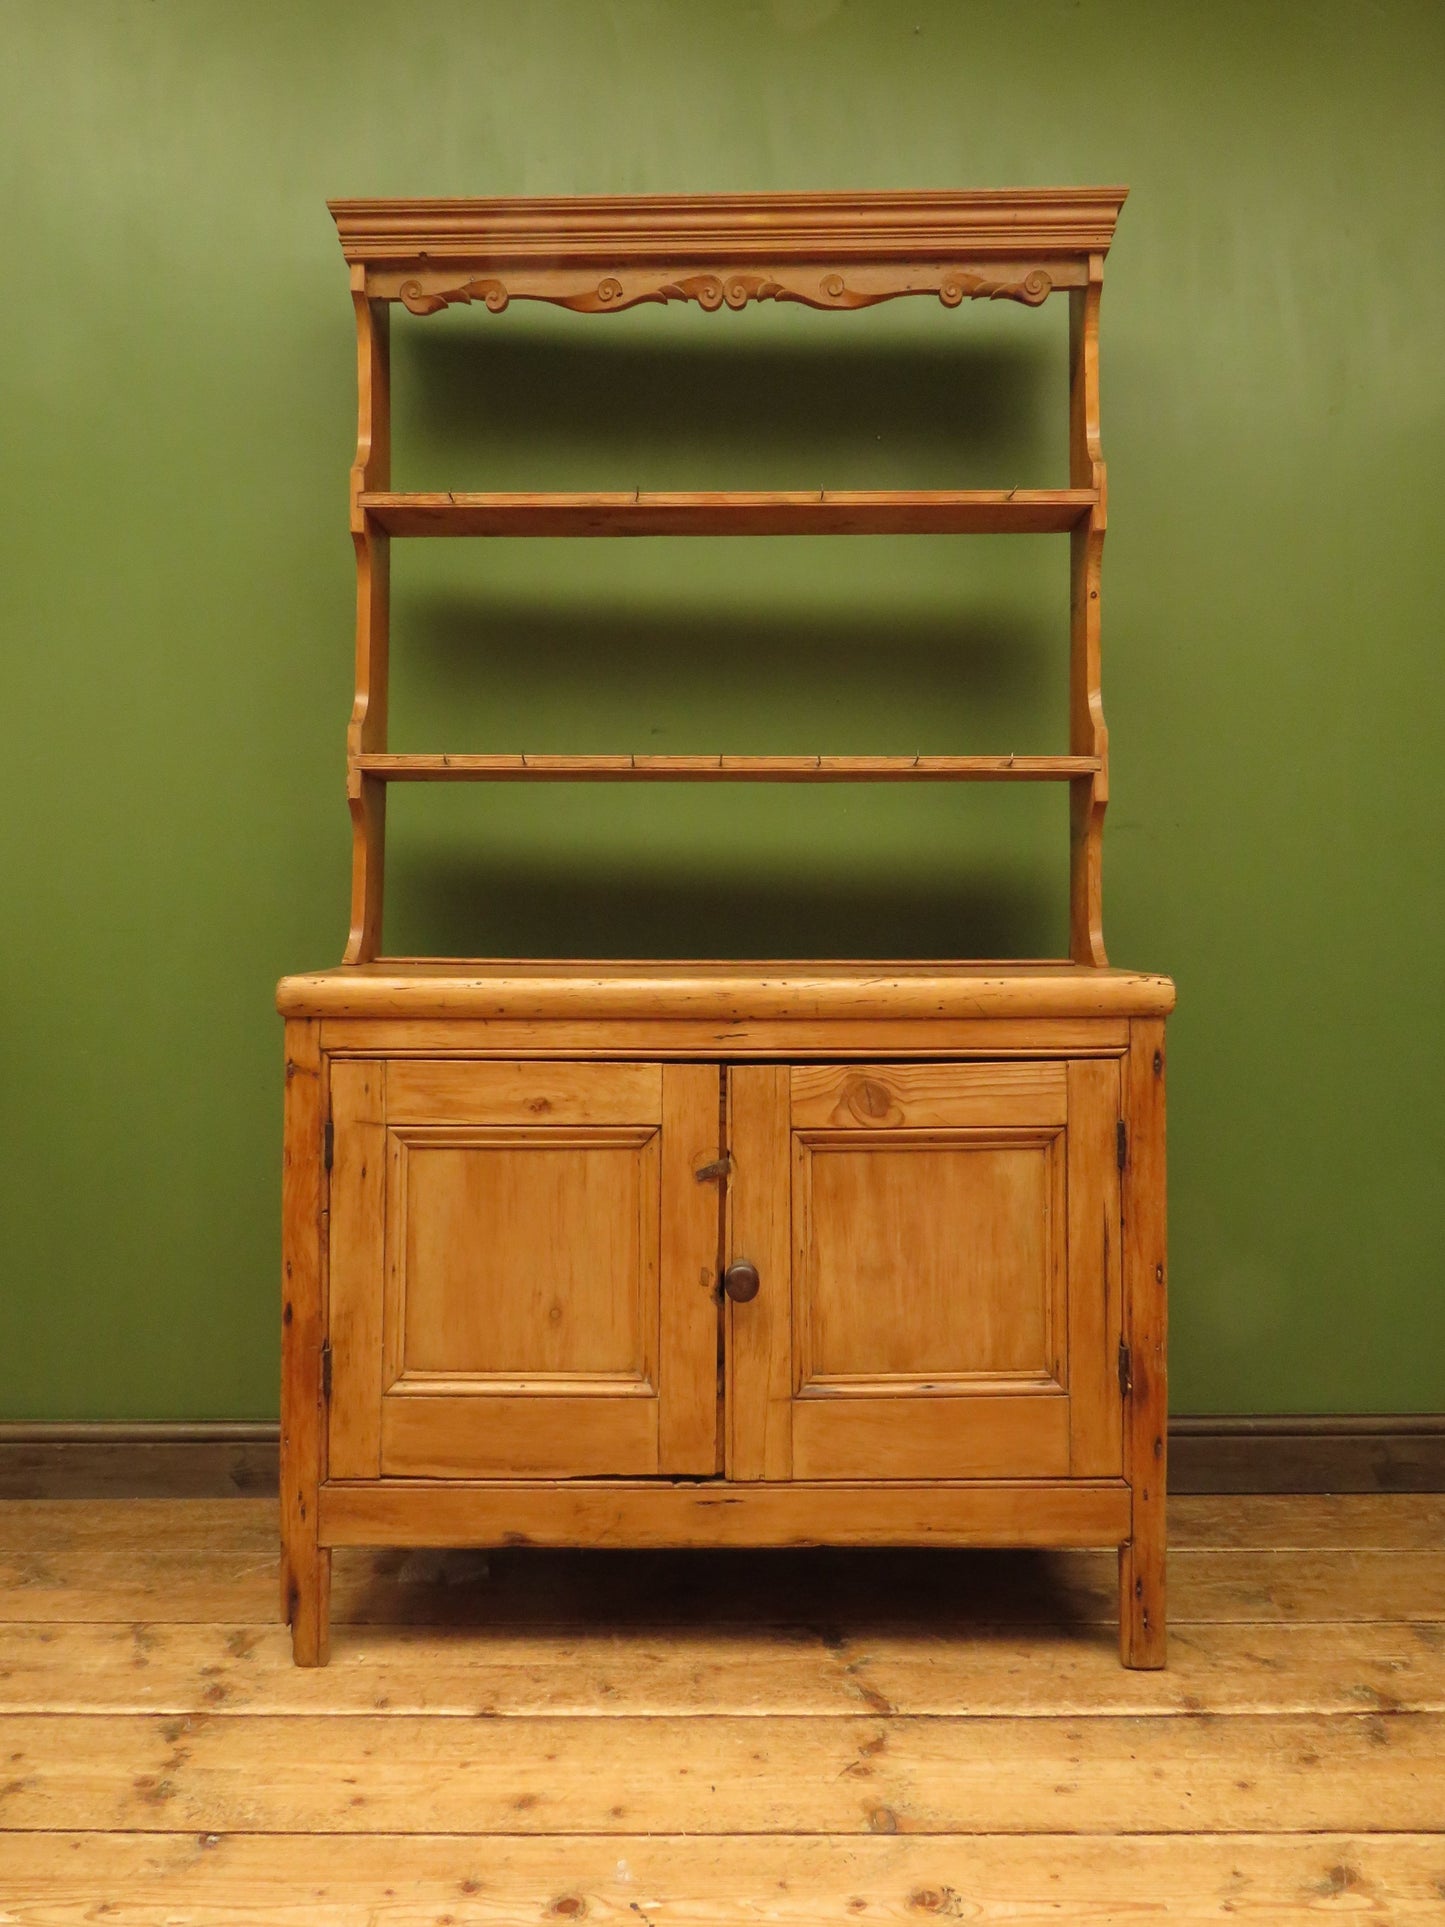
<point>654,1740</point>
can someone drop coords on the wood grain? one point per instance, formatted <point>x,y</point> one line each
<point>878,1774</point>
<point>1088,734</point>
<point>305,1569</point>
<point>758,1347</point>
<point>172,1561</point>
<point>800,993</point>
<point>357,1270</point>
<point>455,767</point>
<point>816,1662</point>
<point>1095,1306</point>
<point>733,512</point>
<point>418,1880</point>
<point>690,1391</point>
<point>1146,1311</point>
<point>720,1738</point>
<point>887,1096</point>
<point>612,231</point>
<point>367,730</point>
<point>419,1092</point>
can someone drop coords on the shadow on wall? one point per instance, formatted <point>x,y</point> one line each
<point>444,904</point>
<point>740,401</point>
<point>606,673</point>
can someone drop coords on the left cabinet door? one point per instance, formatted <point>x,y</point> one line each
<point>523,1269</point>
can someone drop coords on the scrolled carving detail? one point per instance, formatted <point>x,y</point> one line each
<point>734,290</point>
<point>419,301</point>
<point>959,285</point>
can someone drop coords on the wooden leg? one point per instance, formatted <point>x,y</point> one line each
<point>1141,1561</point>
<point>1142,1633</point>
<point>308,1604</point>
<point>305,1565</point>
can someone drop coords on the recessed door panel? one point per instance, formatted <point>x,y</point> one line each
<point>526,1255</point>
<point>928,1262</point>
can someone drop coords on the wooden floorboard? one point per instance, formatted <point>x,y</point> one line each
<point>664,1739</point>
<point>606,1671</point>
<point>418,1880</point>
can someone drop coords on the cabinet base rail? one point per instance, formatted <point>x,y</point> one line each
<point>662,1513</point>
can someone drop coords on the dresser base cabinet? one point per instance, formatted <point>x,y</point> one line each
<point>688,1256</point>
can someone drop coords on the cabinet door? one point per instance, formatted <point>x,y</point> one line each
<point>938,1246</point>
<point>522,1269</point>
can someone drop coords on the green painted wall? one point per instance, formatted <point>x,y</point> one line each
<point>176,401</point>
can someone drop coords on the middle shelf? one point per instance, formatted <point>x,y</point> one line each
<point>401,768</point>
<point>1038,511</point>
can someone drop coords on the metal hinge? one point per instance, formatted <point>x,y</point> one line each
<point>1121,1143</point>
<point>328,1143</point>
<point>326,1372</point>
<point>1126,1370</point>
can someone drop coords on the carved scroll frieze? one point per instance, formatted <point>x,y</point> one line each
<point>735,290</point>
<point>1032,289</point>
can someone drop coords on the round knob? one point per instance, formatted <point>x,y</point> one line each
<point>740,1281</point>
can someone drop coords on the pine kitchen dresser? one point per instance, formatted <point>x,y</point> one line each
<point>724,1254</point>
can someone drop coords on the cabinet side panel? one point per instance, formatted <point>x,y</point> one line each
<point>357,1266</point>
<point>759,1347</point>
<point>305,1567</point>
<point>1094,1270</point>
<point>1141,1564</point>
<point>688,1430</point>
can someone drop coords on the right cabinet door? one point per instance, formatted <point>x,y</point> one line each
<point>938,1248</point>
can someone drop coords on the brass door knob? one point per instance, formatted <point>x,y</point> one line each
<point>741,1281</point>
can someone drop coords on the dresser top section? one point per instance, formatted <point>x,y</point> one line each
<point>403,987</point>
<point>610,231</point>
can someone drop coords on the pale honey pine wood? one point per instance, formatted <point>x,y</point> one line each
<point>619,994</point>
<point>525,1093</point>
<point>790,1512</point>
<point>735,512</point>
<point>834,252</point>
<point>799,1039</point>
<point>614,1664</point>
<point>525,1257</point>
<point>358,1286</point>
<point>523,1269</point>
<point>690,1434</point>
<point>876,1773</point>
<point>887,1096</point>
<point>449,767</point>
<point>371,470</point>
<point>759,1356</point>
<point>1088,736</point>
<point>418,1880</point>
<point>526,1292</point>
<point>902,1188</point>
<point>1095,1262</point>
<point>880,1222</point>
<point>305,1563</point>
<point>1142,1561</point>
<point>596,232</point>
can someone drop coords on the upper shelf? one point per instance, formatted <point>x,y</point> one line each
<point>600,254</point>
<point>735,512</point>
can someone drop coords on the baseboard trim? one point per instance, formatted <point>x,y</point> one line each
<point>1349,1453</point>
<point>230,1460</point>
<point>221,1460</point>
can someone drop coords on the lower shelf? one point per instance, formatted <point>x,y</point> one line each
<point>716,1512</point>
